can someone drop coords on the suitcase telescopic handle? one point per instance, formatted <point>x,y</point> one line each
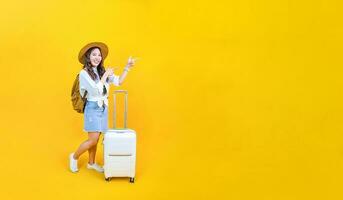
<point>115,111</point>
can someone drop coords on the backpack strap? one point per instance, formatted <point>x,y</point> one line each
<point>84,95</point>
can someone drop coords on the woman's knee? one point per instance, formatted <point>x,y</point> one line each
<point>93,142</point>
<point>93,138</point>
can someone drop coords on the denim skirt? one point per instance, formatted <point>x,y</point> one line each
<point>95,117</point>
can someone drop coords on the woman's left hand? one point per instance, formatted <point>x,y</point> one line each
<point>131,62</point>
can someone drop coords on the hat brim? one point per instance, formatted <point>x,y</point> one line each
<point>102,46</point>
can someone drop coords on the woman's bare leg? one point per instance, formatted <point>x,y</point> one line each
<point>93,138</point>
<point>92,152</point>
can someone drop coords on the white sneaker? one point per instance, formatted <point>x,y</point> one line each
<point>96,167</point>
<point>73,163</point>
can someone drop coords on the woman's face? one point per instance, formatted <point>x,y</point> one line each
<point>95,57</point>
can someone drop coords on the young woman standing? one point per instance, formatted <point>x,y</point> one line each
<point>95,79</point>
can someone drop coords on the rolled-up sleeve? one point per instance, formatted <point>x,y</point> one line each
<point>114,79</point>
<point>87,84</point>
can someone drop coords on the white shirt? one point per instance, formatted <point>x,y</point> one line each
<point>95,88</point>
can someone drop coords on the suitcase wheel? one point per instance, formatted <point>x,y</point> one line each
<point>108,179</point>
<point>132,180</point>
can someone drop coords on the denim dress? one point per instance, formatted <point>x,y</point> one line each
<point>95,117</point>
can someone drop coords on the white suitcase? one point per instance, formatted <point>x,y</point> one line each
<point>120,148</point>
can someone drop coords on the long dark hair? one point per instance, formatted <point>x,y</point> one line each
<point>88,66</point>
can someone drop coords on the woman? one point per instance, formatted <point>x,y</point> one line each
<point>95,80</point>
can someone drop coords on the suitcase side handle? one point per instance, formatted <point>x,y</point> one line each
<point>115,111</point>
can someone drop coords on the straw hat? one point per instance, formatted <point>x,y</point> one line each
<point>102,46</point>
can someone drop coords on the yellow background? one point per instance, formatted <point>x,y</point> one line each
<point>230,99</point>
